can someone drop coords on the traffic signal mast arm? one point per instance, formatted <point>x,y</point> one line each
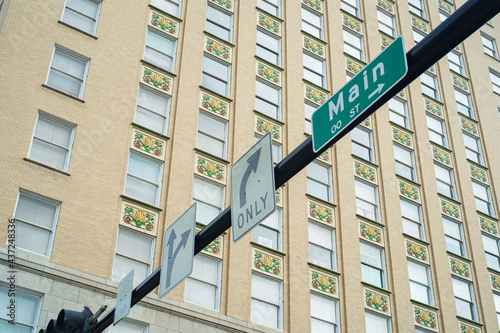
<point>465,21</point>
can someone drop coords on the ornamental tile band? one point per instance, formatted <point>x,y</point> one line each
<point>441,156</point>
<point>319,212</point>
<point>387,5</point>
<point>215,248</point>
<point>450,209</point>
<point>468,328</point>
<point>460,268</point>
<point>469,126</point>
<point>367,122</point>
<point>385,40</point>
<point>364,171</point>
<point>402,94</point>
<point>149,144</point>
<point>268,23</point>
<point>460,82</point>
<point>409,191</point>
<point>139,218</point>
<point>425,318</point>
<point>376,301</point>
<point>488,225</point>
<point>419,24</point>
<point>268,73</point>
<point>210,169</point>
<point>326,157</point>
<point>214,105</point>
<point>262,126</point>
<point>495,281</point>
<point>279,197</point>
<point>371,232</point>
<point>433,107</point>
<point>314,4</point>
<point>352,24</point>
<point>313,46</point>
<point>157,80</point>
<point>324,283</point>
<point>353,66</point>
<point>417,251</point>
<point>227,4</point>
<point>314,95</point>
<point>478,173</point>
<point>445,6</point>
<point>402,137</point>
<point>218,49</point>
<point>163,23</point>
<point>267,263</point>
<point>432,69</point>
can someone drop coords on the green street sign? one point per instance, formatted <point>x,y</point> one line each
<point>359,94</point>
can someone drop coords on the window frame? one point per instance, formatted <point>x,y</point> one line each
<point>29,293</point>
<point>168,98</point>
<point>198,201</point>
<point>435,94</point>
<point>453,65</point>
<point>160,177</point>
<point>393,113</point>
<point>411,167</point>
<point>152,49</point>
<point>335,302</point>
<point>420,35</point>
<point>320,29</point>
<point>126,321</point>
<point>392,28</point>
<point>490,50</point>
<point>308,120</point>
<point>418,11</point>
<point>332,265</point>
<point>428,286</point>
<point>215,23</point>
<point>361,49</point>
<point>489,254</point>
<point>278,44</point>
<point>278,231</point>
<point>263,99</point>
<point>461,242</point>
<point>496,300</point>
<point>329,186</point>
<point>419,223</point>
<point>177,3</point>
<point>349,8</point>
<point>217,286</point>
<point>489,203</point>
<point>55,221</point>
<point>472,303</point>
<point>95,20</point>
<point>212,138</point>
<point>461,106</point>
<point>443,136</point>
<point>279,306</point>
<point>495,76</point>
<point>375,204</point>
<point>369,149</point>
<point>277,13</point>
<point>376,315</point>
<point>306,69</point>
<point>451,186</point>
<point>381,270</point>
<point>468,150</point>
<point>226,80</point>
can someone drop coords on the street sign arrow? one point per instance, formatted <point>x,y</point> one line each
<point>177,257</point>
<point>357,95</point>
<point>253,195</point>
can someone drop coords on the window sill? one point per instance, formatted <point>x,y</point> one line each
<point>63,93</point>
<point>76,29</point>
<point>29,160</point>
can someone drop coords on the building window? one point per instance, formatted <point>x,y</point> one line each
<point>482,196</point>
<point>376,323</point>
<point>126,326</point>
<point>456,62</point>
<point>473,148</point>
<point>443,15</point>
<point>495,81</point>
<point>319,181</point>
<point>216,76</point>
<point>412,219</point>
<point>134,251</point>
<point>52,141</point>
<point>209,198</point>
<point>312,23</point>
<point>28,307</point>
<point>350,6</point>
<point>418,36</point>
<point>266,303</point>
<point>152,110</point>
<point>324,314</point>
<point>496,298</point>
<point>268,99</point>
<point>398,112</point>
<point>366,200</point>
<point>454,236</point>
<point>429,85</point>
<point>276,149</point>
<point>489,45</point>
<point>268,232</point>
<point>444,179</point>
<point>420,282</point>
<point>270,6</point>
<point>437,130</point>
<point>372,264</point>
<point>464,103</point>
<point>322,245</point>
<point>160,50</point>
<point>219,23</point>
<point>212,135</point>
<point>172,7</point>
<point>203,285</point>
<point>405,162</point>
<point>68,71</point>
<point>353,44</point>
<point>309,110</point>
<point>492,251</point>
<point>314,70</point>
<point>417,7</point>
<point>362,143</point>
<point>386,22</point>
<point>36,220</point>
<point>464,298</point>
<point>144,176</point>
<point>268,47</point>
<point>82,14</point>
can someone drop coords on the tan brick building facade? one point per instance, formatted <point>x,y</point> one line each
<point>117,115</point>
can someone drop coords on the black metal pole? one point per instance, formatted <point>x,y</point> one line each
<point>455,29</point>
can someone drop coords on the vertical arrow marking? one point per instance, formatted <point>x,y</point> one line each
<point>172,256</point>
<point>253,162</point>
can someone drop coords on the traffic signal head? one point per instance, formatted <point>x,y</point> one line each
<point>72,321</point>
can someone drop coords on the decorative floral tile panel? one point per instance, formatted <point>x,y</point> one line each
<point>267,263</point>
<point>157,80</point>
<point>365,171</point>
<point>425,318</point>
<point>460,82</point>
<point>468,328</point>
<point>139,218</point>
<point>163,23</point>
<point>367,122</point>
<point>214,105</point>
<point>478,173</point>
<point>371,232</point>
<point>324,283</point>
<point>420,24</point>
<point>215,248</point>
<point>377,301</point>
<point>353,66</point>
<point>387,5</point>
<point>218,49</point>
<point>314,95</point>
<point>469,126</point>
<point>445,6</point>
<point>433,107</point>
<point>385,40</point>
<point>450,209</point>
<point>409,191</point>
<point>326,157</point>
<point>403,137</point>
<point>352,23</point>
<point>441,155</point>
<point>402,94</point>
<point>417,251</point>
<point>149,144</point>
<point>495,281</point>
<point>210,169</point>
<point>262,126</point>
<point>320,212</point>
<point>226,4</point>
<point>313,46</point>
<point>460,268</point>
<point>488,225</point>
<point>268,23</point>
<point>314,4</point>
<point>268,73</point>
